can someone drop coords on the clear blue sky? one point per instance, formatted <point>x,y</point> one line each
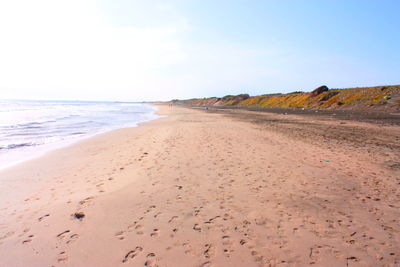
<point>159,50</point>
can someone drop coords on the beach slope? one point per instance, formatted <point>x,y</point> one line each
<point>209,188</point>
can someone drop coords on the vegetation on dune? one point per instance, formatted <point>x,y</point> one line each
<point>379,97</point>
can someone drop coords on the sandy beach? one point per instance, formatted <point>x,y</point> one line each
<point>210,188</point>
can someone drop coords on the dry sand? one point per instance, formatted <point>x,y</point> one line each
<point>201,188</point>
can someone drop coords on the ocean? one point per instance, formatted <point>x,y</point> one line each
<point>30,128</point>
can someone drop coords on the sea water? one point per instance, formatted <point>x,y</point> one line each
<point>30,128</point>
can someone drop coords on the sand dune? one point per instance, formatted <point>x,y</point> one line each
<point>201,188</point>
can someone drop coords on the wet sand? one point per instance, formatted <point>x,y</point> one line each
<point>210,188</point>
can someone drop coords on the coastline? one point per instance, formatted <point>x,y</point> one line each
<point>200,188</point>
<point>60,153</point>
<point>30,153</point>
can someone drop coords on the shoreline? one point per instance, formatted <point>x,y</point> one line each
<point>55,155</point>
<point>31,153</point>
<point>200,188</point>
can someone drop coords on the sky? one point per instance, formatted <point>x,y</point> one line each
<point>130,50</point>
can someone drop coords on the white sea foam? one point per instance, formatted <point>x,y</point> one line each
<point>28,128</point>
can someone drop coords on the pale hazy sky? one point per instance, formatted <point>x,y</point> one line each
<point>160,50</point>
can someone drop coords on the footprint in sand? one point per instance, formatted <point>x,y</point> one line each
<point>150,209</point>
<point>206,264</point>
<point>188,248</point>
<point>138,229</point>
<point>151,260</point>
<point>131,227</point>
<point>212,220</point>
<point>27,240</point>
<point>62,256</point>
<point>85,201</point>
<point>209,251</point>
<point>120,235</point>
<point>227,252</point>
<point>154,233</point>
<point>226,240</point>
<point>63,234</point>
<point>172,219</point>
<point>132,254</point>
<point>197,211</point>
<point>174,230</point>
<point>44,216</point>
<point>66,235</point>
<point>157,214</point>
<point>196,227</point>
<point>72,238</point>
